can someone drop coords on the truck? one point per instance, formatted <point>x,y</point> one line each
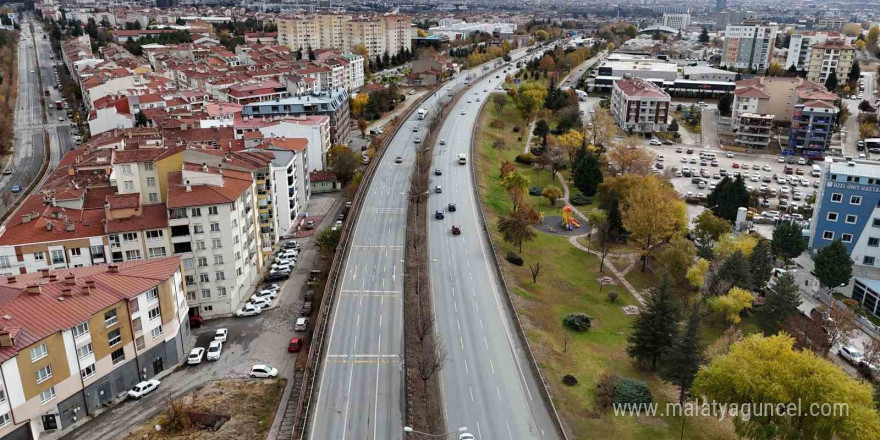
<point>422,112</point>
<point>59,105</point>
<point>462,159</point>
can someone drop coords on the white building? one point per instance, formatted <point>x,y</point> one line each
<point>639,106</point>
<point>315,129</point>
<point>677,21</point>
<point>748,46</point>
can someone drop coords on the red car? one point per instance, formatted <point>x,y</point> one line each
<point>735,165</point>
<point>456,230</point>
<point>294,345</point>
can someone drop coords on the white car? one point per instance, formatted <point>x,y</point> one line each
<point>766,168</point>
<point>781,160</point>
<point>263,370</point>
<point>214,350</point>
<point>463,112</point>
<point>269,294</point>
<point>851,354</point>
<point>272,286</point>
<point>248,310</point>
<point>730,155</point>
<point>262,302</point>
<point>684,160</point>
<point>442,142</point>
<point>755,177</point>
<point>195,356</point>
<point>660,158</point>
<point>143,388</point>
<point>656,142</point>
<point>221,334</point>
<point>466,436</point>
<point>802,161</point>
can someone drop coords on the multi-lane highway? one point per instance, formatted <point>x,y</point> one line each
<point>360,389</point>
<point>487,385</point>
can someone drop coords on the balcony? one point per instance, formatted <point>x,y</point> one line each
<point>177,213</point>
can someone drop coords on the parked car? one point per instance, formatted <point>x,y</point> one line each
<point>143,388</point>
<point>850,354</point>
<point>221,334</point>
<point>263,370</point>
<point>310,295</point>
<point>248,310</point>
<point>16,188</point>
<point>294,345</point>
<point>261,302</point>
<point>277,276</point>
<point>310,224</point>
<point>306,309</point>
<point>655,142</point>
<point>301,324</point>
<point>214,349</point>
<point>195,356</point>
<point>268,294</point>
<point>195,321</point>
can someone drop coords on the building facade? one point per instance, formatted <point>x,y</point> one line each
<point>748,46</point>
<point>639,106</point>
<point>332,104</point>
<point>812,127</point>
<point>753,131</point>
<point>677,21</point>
<point>389,34</point>
<point>830,56</point>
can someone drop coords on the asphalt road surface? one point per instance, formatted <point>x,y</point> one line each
<point>486,382</point>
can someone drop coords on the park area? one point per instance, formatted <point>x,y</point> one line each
<point>221,410</point>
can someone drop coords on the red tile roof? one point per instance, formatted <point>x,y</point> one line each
<point>50,223</point>
<point>234,184</point>
<point>637,87</point>
<point>322,176</point>
<point>151,217</point>
<point>123,201</point>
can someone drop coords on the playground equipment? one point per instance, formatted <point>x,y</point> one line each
<point>568,221</point>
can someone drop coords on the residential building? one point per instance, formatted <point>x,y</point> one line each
<point>812,126</point>
<point>289,180</point>
<point>639,106</point>
<point>776,96</point>
<point>830,56</point>
<point>73,340</point>
<point>748,46</point>
<point>831,23</point>
<point>455,29</point>
<point>315,129</point>
<point>753,131</point>
<point>800,47</point>
<point>677,21</point>
<point>389,34</point>
<point>333,104</point>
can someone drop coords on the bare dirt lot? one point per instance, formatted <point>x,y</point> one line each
<point>221,410</point>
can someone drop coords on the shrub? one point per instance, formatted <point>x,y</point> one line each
<point>514,258</point>
<point>612,296</point>
<point>537,151</point>
<point>569,380</point>
<point>579,200</point>
<point>607,389</point>
<point>497,123</point>
<point>578,322</point>
<point>536,190</point>
<point>516,129</point>
<point>633,392</point>
<point>525,158</point>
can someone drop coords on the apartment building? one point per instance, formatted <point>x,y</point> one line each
<point>379,34</point>
<point>677,21</point>
<point>800,47</point>
<point>748,46</point>
<point>333,104</point>
<point>72,340</point>
<point>315,129</point>
<point>289,180</point>
<point>830,56</point>
<point>775,96</point>
<point>812,127</point>
<point>639,106</point>
<point>753,131</point>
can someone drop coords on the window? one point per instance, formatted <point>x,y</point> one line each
<point>2,396</point>
<point>837,197</point>
<point>238,271</point>
<point>234,223</point>
<point>130,236</point>
<point>212,210</point>
<point>855,200</point>
<point>873,241</point>
<point>139,343</point>
<point>190,280</point>
<point>153,294</point>
<point>39,256</point>
<point>47,395</point>
<point>234,239</point>
<point>76,252</point>
<point>203,278</point>
<point>4,419</point>
<point>218,259</point>
<point>198,229</point>
<point>188,263</point>
<point>84,351</point>
<point>97,251</point>
<point>215,227</point>
<point>157,252</point>
<point>216,243</point>
<point>828,235</point>
<point>148,166</point>
<point>80,330</point>
<point>151,181</point>
<point>39,352</point>
<point>851,219</point>
<point>190,296</point>
<point>153,313</point>
<point>118,356</point>
<point>58,257</point>
<point>203,262</point>
<point>43,374</point>
<point>156,332</point>
<point>868,260</point>
<point>200,245</point>
<point>219,276</point>
<point>875,223</point>
<point>196,212</point>
<point>153,198</point>
<point>133,255</point>
<point>221,291</point>
<point>206,293</point>
<point>237,256</point>
<point>846,238</point>
<point>4,263</point>
<point>126,170</point>
<point>114,337</point>
<point>831,217</point>
<point>88,371</point>
<point>128,185</point>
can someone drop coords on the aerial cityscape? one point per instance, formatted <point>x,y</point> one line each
<point>465,220</point>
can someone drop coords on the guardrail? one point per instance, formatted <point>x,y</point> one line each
<point>310,373</point>
<point>533,364</point>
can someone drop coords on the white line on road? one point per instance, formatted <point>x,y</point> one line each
<point>510,434</point>
<point>461,342</point>
<point>466,370</point>
<point>472,393</point>
<point>492,365</point>
<point>376,404</point>
<point>486,342</point>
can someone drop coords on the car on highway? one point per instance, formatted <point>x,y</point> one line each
<point>263,370</point>
<point>221,334</point>
<point>450,207</point>
<point>16,188</point>
<point>301,324</point>
<point>442,142</point>
<point>143,388</point>
<point>417,140</point>
<point>214,349</point>
<point>463,112</point>
<point>438,172</point>
<point>456,230</point>
<point>850,354</point>
<point>7,171</point>
<point>439,215</point>
<point>438,189</point>
<point>398,159</point>
<point>249,310</point>
<point>195,356</point>
<point>466,436</point>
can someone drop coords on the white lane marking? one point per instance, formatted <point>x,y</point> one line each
<point>492,365</point>
<point>376,404</point>
<point>509,434</point>
<point>455,305</point>
<point>363,355</point>
<point>461,342</point>
<point>479,432</point>
<point>458,323</point>
<point>466,370</point>
<point>472,393</point>
<point>486,342</point>
<point>481,324</point>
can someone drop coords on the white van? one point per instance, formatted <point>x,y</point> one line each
<point>706,155</point>
<point>817,171</point>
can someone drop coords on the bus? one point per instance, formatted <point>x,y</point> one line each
<point>872,145</point>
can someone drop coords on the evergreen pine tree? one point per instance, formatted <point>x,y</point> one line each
<point>736,271</point>
<point>781,301</point>
<point>833,265</point>
<point>655,328</point>
<point>587,173</point>
<point>685,357</point>
<point>761,265</point>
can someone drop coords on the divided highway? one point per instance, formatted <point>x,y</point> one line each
<point>486,382</point>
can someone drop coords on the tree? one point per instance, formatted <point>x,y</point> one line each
<point>735,270</point>
<point>732,304</point>
<point>600,234</point>
<point>728,197</point>
<point>725,104</point>
<point>860,45</point>
<point>708,228</point>
<point>604,127</point>
<point>855,72</point>
<point>327,240</point>
<point>760,265</point>
<point>730,243</point>
<point>676,257</point>
<point>808,334</point>
<point>873,34</point>
<point>429,360</point>
<point>587,174</point>
<point>655,328</point>
<point>673,126</point>
<point>572,142</point>
<point>774,69</point>
<point>552,193</point>
<point>833,265</point>
<point>542,129</point>
<point>362,126</point>
<point>684,358</point>
<point>704,36</point>
<point>839,323</point>
<point>343,161</point>
<point>653,213</point>
<point>768,371</point>
<point>535,270</point>
<point>831,81</point>
<point>359,103</point>
<point>788,241</point>
<point>780,301</point>
<point>141,120</point>
<point>696,273</point>
<point>631,158</point>
<point>516,228</point>
<point>500,100</point>
<point>516,185</point>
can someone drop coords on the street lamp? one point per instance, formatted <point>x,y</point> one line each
<point>410,430</point>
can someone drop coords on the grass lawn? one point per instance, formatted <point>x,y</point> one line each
<point>568,284</point>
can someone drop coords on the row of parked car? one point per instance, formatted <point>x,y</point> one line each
<point>282,266</point>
